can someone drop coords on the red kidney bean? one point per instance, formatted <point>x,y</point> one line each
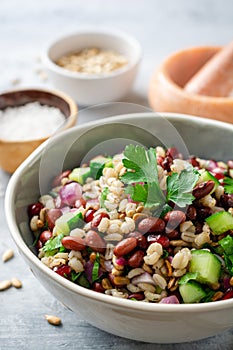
<point>137,296</point>
<point>166,164</point>
<point>97,218</point>
<point>198,227</point>
<point>203,189</point>
<point>174,218</point>
<point>141,240</point>
<point>191,213</point>
<point>151,224</point>
<point>226,200</point>
<point>97,287</point>
<point>39,245</point>
<point>63,270</point>
<point>203,213</point>
<point>89,215</point>
<point>57,180</point>
<point>52,215</point>
<point>95,242</point>
<point>136,259</point>
<point>163,240</point>
<point>73,243</point>
<point>125,246</point>
<point>34,209</point>
<point>172,234</point>
<point>45,236</point>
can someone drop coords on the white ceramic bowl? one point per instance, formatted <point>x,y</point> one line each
<point>158,323</point>
<point>94,89</point>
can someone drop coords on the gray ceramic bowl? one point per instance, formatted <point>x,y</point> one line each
<point>157,323</point>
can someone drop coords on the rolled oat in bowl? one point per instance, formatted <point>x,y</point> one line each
<point>144,225</point>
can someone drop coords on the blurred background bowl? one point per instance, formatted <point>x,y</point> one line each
<point>149,322</point>
<point>166,93</point>
<point>90,89</point>
<point>14,152</point>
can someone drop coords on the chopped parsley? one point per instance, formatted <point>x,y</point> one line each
<point>228,185</point>
<point>142,183</point>
<point>53,244</point>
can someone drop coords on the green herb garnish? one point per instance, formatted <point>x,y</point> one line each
<point>76,221</point>
<point>53,244</point>
<point>103,196</point>
<point>228,185</point>
<point>227,245</point>
<point>180,186</point>
<point>142,181</point>
<point>75,276</point>
<point>95,269</point>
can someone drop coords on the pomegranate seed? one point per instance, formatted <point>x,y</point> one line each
<point>63,270</point>
<point>34,209</point>
<point>97,287</point>
<point>219,176</point>
<point>45,236</point>
<point>228,295</point>
<point>89,215</point>
<point>163,240</point>
<point>96,220</point>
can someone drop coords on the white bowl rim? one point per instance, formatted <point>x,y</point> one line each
<point>103,298</point>
<point>99,31</point>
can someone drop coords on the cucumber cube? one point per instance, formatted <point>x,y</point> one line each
<point>207,266</point>
<point>62,223</point>
<point>80,174</point>
<point>191,292</point>
<point>220,222</point>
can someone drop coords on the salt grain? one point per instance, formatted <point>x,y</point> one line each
<point>30,121</point>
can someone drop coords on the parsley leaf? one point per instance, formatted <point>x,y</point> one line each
<point>138,193</point>
<point>53,243</point>
<point>142,162</point>
<point>179,187</point>
<point>95,269</point>
<point>141,176</point>
<point>228,185</point>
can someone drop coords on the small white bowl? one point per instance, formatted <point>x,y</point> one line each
<point>91,89</point>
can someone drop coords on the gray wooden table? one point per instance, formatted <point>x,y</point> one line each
<point>25,28</point>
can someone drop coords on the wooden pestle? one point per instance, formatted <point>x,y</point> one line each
<point>215,78</point>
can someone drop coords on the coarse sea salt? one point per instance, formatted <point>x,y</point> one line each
<point>30,121</point>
